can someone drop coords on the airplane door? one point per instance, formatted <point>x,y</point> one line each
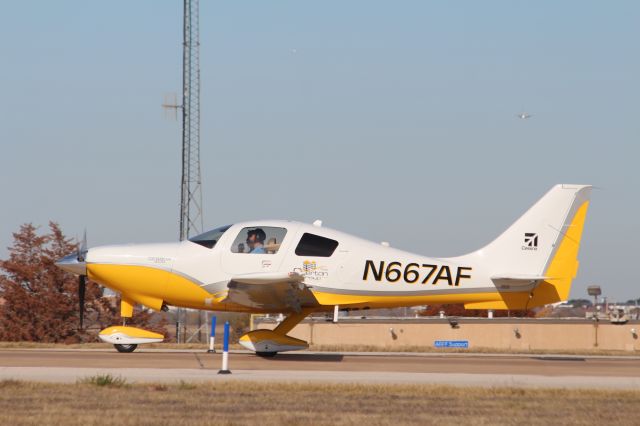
<point>257,249</point>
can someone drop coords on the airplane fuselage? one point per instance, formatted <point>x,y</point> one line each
<point>296,268</point>
<point>357,274</point>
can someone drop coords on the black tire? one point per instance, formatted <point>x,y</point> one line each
<point>266,354</point>
<point>125,348</point>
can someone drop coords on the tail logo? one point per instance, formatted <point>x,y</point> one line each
<point>530,241</point>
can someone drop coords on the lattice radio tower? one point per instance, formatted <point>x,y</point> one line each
<point>191,220</point>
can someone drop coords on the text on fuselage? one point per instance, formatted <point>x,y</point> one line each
<point>414,273</point>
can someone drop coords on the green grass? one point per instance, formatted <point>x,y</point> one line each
<point>104,380</point>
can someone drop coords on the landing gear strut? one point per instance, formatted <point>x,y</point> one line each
<point>267,343</point>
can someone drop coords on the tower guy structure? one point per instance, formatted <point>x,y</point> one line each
<point>191,221</point>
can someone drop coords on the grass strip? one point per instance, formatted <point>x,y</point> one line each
<point>99,400</point>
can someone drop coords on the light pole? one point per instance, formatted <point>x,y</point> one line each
<point>595,291</point>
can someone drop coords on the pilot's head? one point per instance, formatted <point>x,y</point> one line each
<point>256,236</point>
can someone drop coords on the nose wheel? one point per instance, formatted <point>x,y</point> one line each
<point>125,348</point>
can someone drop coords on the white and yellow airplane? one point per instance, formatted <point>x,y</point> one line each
<point>274,266</point>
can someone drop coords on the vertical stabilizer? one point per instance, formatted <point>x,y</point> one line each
<point>539,252</point>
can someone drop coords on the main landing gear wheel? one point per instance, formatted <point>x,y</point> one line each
<point>125,348</point>
<point>266,354</point>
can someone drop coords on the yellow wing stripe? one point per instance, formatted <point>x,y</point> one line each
<point>365,301</point>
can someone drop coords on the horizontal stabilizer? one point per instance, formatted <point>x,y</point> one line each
<point>518,278</point>
<point>516,282</point>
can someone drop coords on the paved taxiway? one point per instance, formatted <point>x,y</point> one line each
<point>472,369</point>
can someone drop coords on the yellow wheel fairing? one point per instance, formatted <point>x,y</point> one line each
<point>129,335</point>
<point>271,341</point>
<point>131,332</point>
<point>276,340</point>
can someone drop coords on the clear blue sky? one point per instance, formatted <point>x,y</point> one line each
<point>392,120</point>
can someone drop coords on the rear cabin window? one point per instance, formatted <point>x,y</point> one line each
<point>259,240</point>
<point>316,246</point>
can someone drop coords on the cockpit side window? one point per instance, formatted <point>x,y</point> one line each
<point>316,246</point>
<point>259,240</point>
<point>210,238</point>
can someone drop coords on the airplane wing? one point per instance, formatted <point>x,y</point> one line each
<point>278,292</point>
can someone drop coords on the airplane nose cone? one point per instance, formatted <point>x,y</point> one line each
<point>71,264</point>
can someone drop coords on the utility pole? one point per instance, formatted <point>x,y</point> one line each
<point>191,221</point>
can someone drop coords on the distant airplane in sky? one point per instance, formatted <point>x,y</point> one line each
<point>524,115</point>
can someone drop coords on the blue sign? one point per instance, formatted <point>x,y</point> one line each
<point>464,344</point>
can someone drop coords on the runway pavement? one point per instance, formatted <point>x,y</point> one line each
<point>472,369</point>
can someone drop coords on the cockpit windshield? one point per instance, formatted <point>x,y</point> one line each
<point>210,238</point>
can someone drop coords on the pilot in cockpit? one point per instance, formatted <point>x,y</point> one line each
<point>255,241</point>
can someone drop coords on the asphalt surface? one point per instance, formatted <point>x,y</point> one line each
<point>477,370</point>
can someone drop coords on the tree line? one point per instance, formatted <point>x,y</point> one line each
<point>39,302</point>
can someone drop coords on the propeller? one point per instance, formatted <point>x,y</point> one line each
<point>82,285</point>
<point>82,279</point>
